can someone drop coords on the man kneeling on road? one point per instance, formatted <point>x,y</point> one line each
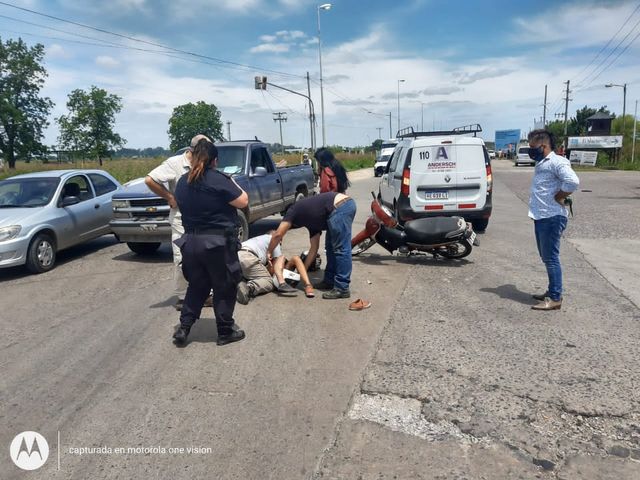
<point>255,269</point>
<point>333,212</point>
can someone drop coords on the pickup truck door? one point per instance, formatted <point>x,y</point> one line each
<point>267,189</point>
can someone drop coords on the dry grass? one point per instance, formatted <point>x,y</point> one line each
<point>123,169</point>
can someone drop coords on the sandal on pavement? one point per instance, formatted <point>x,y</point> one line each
<point>308,291</point>
<point>359,304</point>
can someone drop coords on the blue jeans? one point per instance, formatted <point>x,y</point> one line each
<point>548,233</point>
<point>338,246</point>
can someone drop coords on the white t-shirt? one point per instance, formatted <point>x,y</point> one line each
<point>259,245</point>
<point>169,172</point>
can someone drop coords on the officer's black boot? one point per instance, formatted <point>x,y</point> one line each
<point>234,336</point>
<point>180,337</point>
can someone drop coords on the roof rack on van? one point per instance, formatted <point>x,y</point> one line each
<point>408,132</point>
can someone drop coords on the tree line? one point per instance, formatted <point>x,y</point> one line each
<point>88,129</point>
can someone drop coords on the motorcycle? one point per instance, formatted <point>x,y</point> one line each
<point>449,237</point>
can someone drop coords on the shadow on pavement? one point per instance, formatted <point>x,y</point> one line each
<point>511,292</point>
<point>62,257</point>
<point>169,302</point>
<point>426,260</point>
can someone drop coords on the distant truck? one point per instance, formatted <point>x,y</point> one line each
<point>141,218</point>
<point>386,150</point>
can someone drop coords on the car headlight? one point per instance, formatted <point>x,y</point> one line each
<point>7,233</point>
<point>119,204</point>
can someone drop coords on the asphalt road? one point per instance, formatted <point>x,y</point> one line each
<point>448,375</point>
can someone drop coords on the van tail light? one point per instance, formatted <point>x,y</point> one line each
<point>489,179</point>
<point>404,189</point>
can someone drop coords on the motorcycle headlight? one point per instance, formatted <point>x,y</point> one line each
<point>7,233</point>
<point>119,204</point>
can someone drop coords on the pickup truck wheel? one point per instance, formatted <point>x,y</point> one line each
<point>299,196</point>
<point>142,248</point>
<point>243,227</point>
<point>41,256</point>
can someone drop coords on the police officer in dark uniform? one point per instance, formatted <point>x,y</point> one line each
<point>208,200</point>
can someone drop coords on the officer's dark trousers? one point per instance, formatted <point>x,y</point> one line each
<point>210,263</point>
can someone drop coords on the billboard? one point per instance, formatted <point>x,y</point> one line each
<point>507,139</point>
<point>612,141</point>
<point>583,157</point>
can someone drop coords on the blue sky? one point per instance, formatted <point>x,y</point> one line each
<point>463,62</point>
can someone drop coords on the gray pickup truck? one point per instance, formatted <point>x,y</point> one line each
<point>141,218</point>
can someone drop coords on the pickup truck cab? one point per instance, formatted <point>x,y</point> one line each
<point>141,218</point>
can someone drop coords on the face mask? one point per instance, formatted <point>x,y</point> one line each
<point>536,153</point>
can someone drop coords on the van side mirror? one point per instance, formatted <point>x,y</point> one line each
<point>68,201</point>
<point>259,172</point>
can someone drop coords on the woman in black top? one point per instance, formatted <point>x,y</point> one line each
<point>208,200</point>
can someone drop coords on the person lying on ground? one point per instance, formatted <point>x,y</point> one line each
<point>294,264</point>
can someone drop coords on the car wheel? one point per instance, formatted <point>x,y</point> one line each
<point>41,256</point>
<point>480,225</point>
<point>143,248</point>
<point>243,226</point>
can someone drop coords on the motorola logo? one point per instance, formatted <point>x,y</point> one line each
<point>29,450</point>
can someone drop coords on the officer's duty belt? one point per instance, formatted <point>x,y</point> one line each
<point>211,231</point>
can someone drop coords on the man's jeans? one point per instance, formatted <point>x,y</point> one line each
<point>548,234</point>
<point>338,246</point>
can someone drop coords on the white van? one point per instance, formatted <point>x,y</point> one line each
<point>386,150</point>
<point>439,174</point>
<point>522,156</point>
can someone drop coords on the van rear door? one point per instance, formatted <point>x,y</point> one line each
<point>433,178</point>
<point>471,176</point>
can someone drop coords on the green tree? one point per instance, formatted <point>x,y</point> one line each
<point>88,128</point>
<point>23,113</point>
<point>192,119</point>
<point>377,145</point>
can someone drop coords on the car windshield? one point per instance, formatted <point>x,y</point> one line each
<point>27,192</point>
<point>384,158</point>
<point>231,159</point>
<point>388,145</point>
<point>524,150</point>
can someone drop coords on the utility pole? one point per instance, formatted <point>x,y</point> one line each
<point>228,130</point>
<point>379,132</point>
<point>312,117</point>
<point>635,121</point>
<point>544,111</point>
<point>280,117</point>
<point>566,108</point>
<point>390,133</point>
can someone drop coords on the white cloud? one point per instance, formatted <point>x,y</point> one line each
<point>106,61</point>
<point>595,23</point>
<point>270,48</point>
<point>57,51</point>
<point>268,38</point>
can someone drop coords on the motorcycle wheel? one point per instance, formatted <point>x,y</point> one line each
<point>364,245</point>
<point>456,250</point>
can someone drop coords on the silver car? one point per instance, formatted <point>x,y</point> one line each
<point>45,212</point>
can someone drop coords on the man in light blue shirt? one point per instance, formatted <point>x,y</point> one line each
<point>553,181</point>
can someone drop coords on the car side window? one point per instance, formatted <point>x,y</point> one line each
<point>77,186</point>
<point>393,163</point>
<point>101,184</point>
<point>260,158</point>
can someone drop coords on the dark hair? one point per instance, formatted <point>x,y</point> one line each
<point>201,156</point>
<point>325,158</point>
<point>543,136</point>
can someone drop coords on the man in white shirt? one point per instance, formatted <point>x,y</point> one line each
<point>169,172</point>
<point>254,263</point>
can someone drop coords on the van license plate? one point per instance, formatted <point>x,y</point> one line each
<point>437,195</point>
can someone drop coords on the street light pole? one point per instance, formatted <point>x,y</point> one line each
<point>422,112</point>
<point>624,101</point>
<point>324,6</point>
<point>399,82</point>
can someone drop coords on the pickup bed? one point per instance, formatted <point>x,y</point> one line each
<point>141,218</point>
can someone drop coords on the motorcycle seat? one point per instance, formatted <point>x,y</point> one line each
<point>433,230</point>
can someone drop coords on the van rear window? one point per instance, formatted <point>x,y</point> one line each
<point>524,150</point>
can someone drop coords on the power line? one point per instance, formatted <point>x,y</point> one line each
<point>147,42</point>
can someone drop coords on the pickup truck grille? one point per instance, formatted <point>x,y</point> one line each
<point>151,202</point>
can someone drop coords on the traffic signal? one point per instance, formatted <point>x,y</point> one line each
<point>261,82</point>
